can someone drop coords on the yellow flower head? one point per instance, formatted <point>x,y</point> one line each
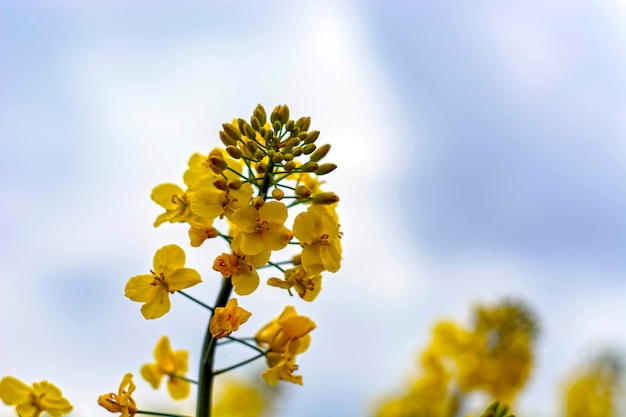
<point>168,276</point>
<point>318,233</point>
<point>32,401</point>
<point>201,166</point>
<point>122,402</point>
<point>288,328</point>
<point>171,364</point>
<point>241,269</point>
<point>175,202</point>
<point>261,229</point>
<point>238,398</point>
<point>228,319</point>
<point>308,286</point>
<point>201,230</point>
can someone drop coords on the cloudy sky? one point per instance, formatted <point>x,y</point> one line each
<point>481,152</point>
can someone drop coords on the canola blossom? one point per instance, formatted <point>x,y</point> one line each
<point>169,364</point>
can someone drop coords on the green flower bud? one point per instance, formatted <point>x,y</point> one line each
<point>320,153</point>
<point>303,191</point>
<point>288,156</point>
<point>274,116</point>
<point>289,166</point>
<point>257,202</point>
<point>289,125</point>
<point>283,114</point>
<point>269,134</point>
<point>256,125</point>
<point>234,151</point>
<point>227,140</point>
<point>309,148</point>
<point>297,151</point>
<point>232,131</point>
<point>300,123</point>
<point>251,146</point>
<point>309,167</point>
<point>276,126</point>
<point>259,113</point>
<point>325,169</point>
<point>261,167</point>
<point>258,155</point>
<point>325,198</point>
<point>217,163</point>
<point>295,132</point>
<point>307,123</point>
<point>312,136</point>
<point>249,131</point>
<point>278,194</point>
<point>277,158</point>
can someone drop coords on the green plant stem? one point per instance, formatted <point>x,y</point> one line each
<point>205,380</point>
<point>195,300</point>
<point>156,413</point>
<point>183,378</point>
<point>243,342</point>
<point>237,365</point>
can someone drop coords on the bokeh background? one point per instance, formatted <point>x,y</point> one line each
<point>481,151</point>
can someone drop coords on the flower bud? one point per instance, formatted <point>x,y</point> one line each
<point>320,153</point>
<point>232,131</point>
<point>259,113</point>
<point>303,191</point>
<point>249,131</point>
<point>297,151</point>
<point>217,163</point>
<point>310,167</point>
<point>312,136</point>
<point>226,140</point>
<point>289,125</point>
<point>234,151</point>
<point>295,131</point>
<point>268,135</point>
<point>277,157</point>
<point>325,169</point>
<point>283,114</point>
<point>308,148</point>
<point>289,166</point>
<point>278,194</point>
<point>296,259</point>
<point>274,116</point>
<point>257,202</point>
<point>256,125</point>
<point>251,146</point>
<point>288,156</point>
<point>234,184</point>
<point>325,198</point>
<point>261,167</point>
<point>220,184</point>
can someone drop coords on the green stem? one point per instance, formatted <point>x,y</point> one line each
<point>237,365</point>
<point>195,300</point>
<point>243,342</point>
<point>184,378</point>
<point>205,386</point>
<point>156,413</point>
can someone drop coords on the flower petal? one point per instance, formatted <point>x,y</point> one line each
<point>140,288</point>
<point>168,259</point>
<point>183,278</point>
<point>13,391</point>
<point>158,306</point>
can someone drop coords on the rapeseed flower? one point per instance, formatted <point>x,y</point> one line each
<point>318,234</point>
<point>227,319</point>
<point>261,229</point>
<point>31,401</point>
<point>241,269</point>
<point>171,364</point>
<point>168,276</point>
<point>122,402</point>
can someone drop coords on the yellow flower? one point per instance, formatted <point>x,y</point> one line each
<point>236,398</point>
<point>32,401</point>
<point>318,233</point>
<point>201,230</point>
<point>175,202</point>
<point>261,230</point>
<point>288,327</point>
<point>241,269</point>
<point>201,166</point>
<point>210,202</point>
<point>306,285</point>
<point>122,402</point>
<point>168,276</point>
<point>282,366</point>
<point>170,363</point>
<point>227,319</point>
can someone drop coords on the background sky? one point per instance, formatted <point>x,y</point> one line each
<point>481,154</point>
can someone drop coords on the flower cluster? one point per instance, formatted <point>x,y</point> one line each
<point>493,356</point>
<point>245,193</point>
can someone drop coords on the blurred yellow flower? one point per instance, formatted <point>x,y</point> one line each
<point>32,401</point>
<point>122,402</point>
<point>282,366</point>
<point>168,276</point>
<point>171,364</point>
<point>227,319</point>
<point>238,399</point>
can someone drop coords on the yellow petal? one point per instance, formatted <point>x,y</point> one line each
<point>178,388</point>
<point>245,218</point>
<point>13,391</point>
<point>168,259</point>
<point>181,360</point>
<point>151,373</point>
<point>208,204</point>
<point>245,283</point>
<point>274,211</point>
<point>140,288</point>
<point>27,410</point>
<point>158,306</point>
<point>162,195</point>
<point>183,278</point>
<point>331,257</point>
<point>164,355</point>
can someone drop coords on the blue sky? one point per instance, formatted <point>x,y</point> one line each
<point>481,151</point>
